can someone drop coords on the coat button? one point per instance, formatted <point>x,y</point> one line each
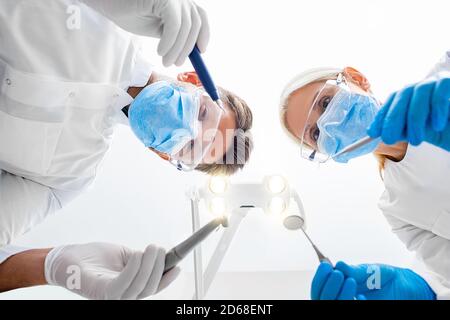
<point>8,81</point>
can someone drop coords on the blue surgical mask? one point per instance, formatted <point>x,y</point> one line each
<point>345,122</point>
<point>164,117</point>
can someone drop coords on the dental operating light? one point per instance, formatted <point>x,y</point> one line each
<point>277,206</point>
<point>218,185</point>
<point>273,195</point>
<point>222,197</point>
<point>218,207</point>
<point>276,184</point>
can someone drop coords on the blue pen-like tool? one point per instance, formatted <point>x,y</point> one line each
<point>204,76</point>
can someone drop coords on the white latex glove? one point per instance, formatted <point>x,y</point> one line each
<point>180,24</point>
<point>107,271</point>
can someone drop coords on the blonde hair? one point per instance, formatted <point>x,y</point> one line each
<point>242,145</point>
<point>298,82</point>
<point>381,163</point>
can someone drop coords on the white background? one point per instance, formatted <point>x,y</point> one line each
<point>256,47</point>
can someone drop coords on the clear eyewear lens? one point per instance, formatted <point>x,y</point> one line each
<point>209,116</point>
<point>309,148</point>
<point>180,166</point>
<point>315,156</point>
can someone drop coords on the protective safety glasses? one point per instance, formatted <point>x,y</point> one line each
<point>325,97</point>
<point>190,154</point>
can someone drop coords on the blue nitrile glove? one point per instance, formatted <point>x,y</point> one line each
<point>369,281</point>
<point>416,114</point>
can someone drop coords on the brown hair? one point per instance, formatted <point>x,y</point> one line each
<point>242,145</point>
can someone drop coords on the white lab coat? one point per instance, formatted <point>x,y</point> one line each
<point>61,94</point>
<point>416,203</point>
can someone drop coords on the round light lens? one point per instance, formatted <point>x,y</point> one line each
<point>218,185</point>
<point>217,207</point>
<point>276,184</point>
<point>277,206</point>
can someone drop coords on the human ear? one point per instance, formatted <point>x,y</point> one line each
<point>190,77</point>
<point>163,156</point>
<point>357,78</point>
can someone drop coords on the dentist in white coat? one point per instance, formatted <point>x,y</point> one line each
<point>65,68</point>
<point>415,158</point>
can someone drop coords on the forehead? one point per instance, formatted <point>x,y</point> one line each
<point>299,106</point>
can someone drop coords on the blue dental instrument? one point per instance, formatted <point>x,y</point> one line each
<point>204,76</point>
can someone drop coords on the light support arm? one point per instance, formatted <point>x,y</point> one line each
<point>198,264</point>
<point>222,247</point>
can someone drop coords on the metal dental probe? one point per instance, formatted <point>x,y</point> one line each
<point>353,146</point>
<point>322,258</point>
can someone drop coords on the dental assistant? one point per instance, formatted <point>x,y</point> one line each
<point>324,110</point>
<point>66,68</point>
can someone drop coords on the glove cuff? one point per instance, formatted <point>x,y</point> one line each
<point>50,265</point>
<point>422,291</point>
